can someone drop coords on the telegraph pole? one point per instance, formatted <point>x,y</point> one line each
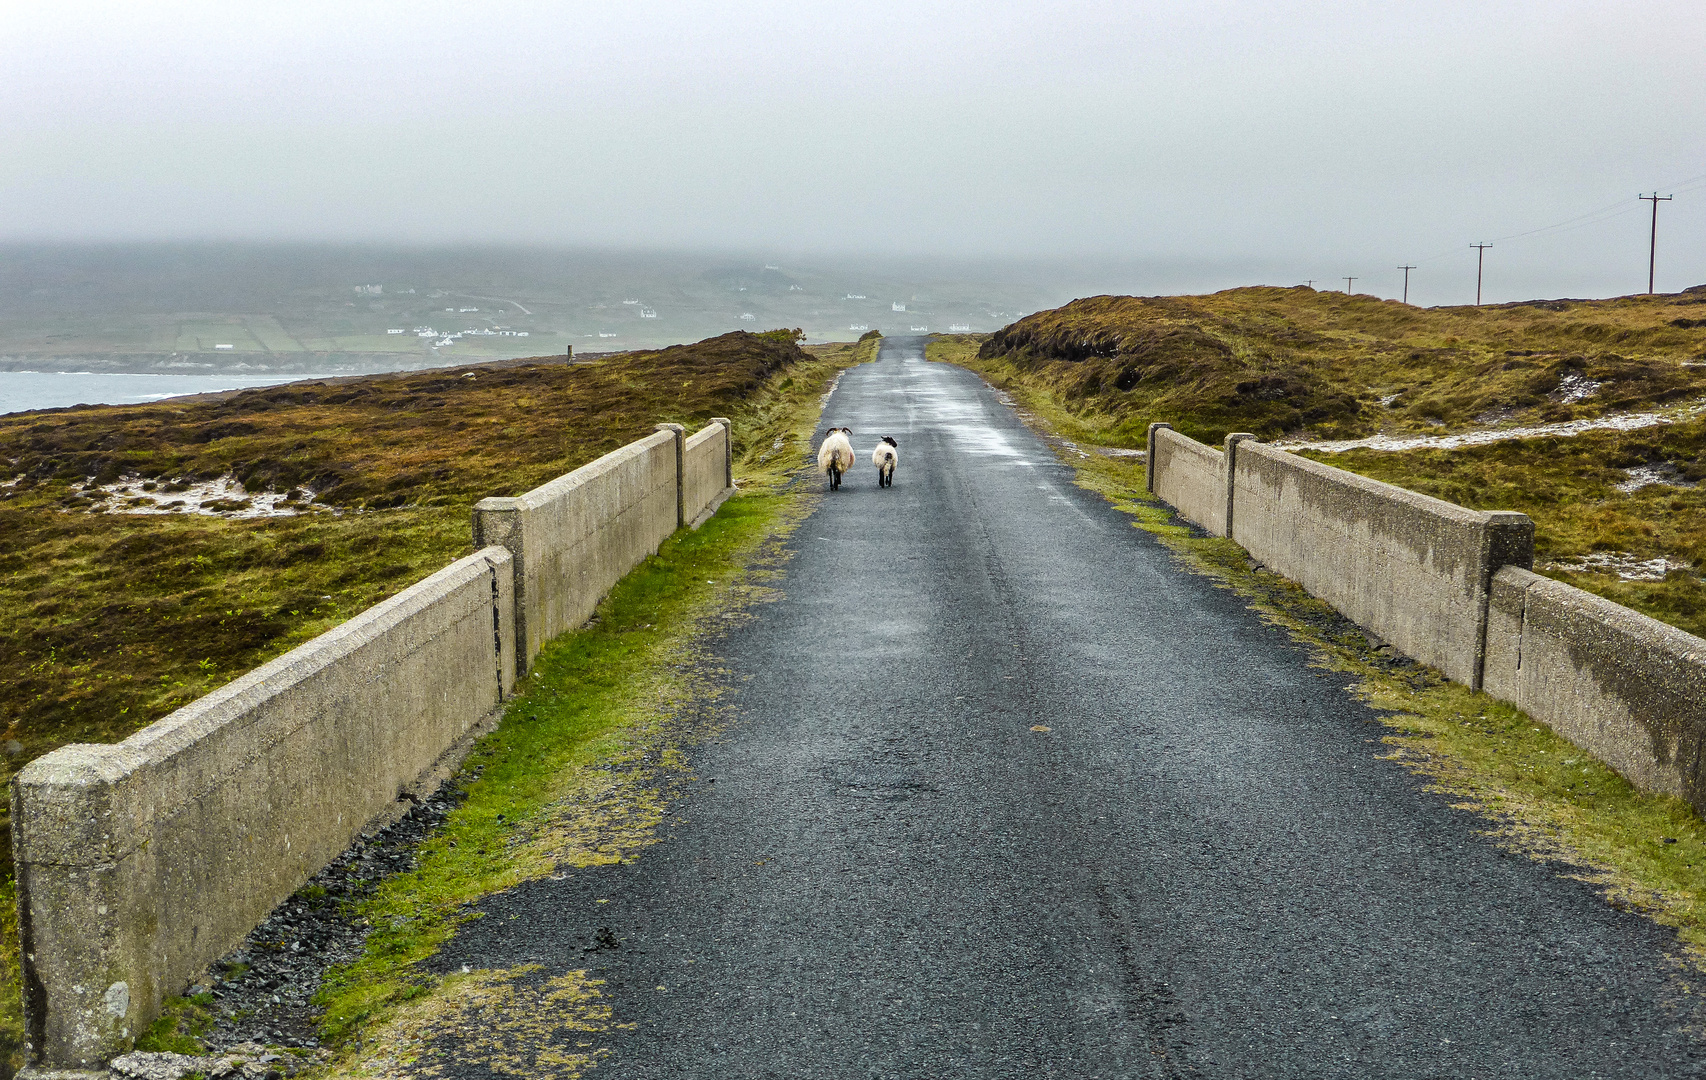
<point>1310,282</point>
<point>1653,250</point>
<point>1348,285</point>
<point>1406,270</point>
<point>1480,257</point>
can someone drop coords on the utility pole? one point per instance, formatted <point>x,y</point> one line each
<point>1309,282</point>
<point>1348,285</point>
<point>1406,270</point>
<point>1480,257</point>
<point>1653,250</point>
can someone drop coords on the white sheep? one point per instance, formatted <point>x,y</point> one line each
<point>835,456</point>
<point>883,457</point>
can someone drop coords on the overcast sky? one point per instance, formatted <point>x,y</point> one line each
<point>1199,144</point>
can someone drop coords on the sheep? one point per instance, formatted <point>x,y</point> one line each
<point>835,456</point>
<point>883,457</point>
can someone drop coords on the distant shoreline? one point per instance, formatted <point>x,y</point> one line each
<point>49,397</point>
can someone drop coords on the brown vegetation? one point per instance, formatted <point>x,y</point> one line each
<point>115,619</point>
<point>1292,361</point>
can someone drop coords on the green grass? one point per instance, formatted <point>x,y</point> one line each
<point>581,769</point>
<point>115,620</point>
<point>1538,794</point>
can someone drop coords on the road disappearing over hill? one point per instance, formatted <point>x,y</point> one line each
<point>1011,794</point>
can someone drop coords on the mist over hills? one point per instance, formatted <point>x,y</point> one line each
<point>324,308</point>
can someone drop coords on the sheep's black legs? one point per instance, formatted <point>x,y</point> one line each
<point>834,478</point>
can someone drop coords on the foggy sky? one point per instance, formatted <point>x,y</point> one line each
<point>1189,145</point>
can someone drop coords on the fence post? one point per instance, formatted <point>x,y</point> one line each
<point>1507,539</point>
<point>728,450</point>
<point>1149,457</point>
<point>680,433</point>
<point>498,521</point>
<point>1229,458</point>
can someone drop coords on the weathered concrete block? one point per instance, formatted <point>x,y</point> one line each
<point>1189,477</point>
<point>140,863</point>
<point>704,469</point>
<point>1414,569</point>
<point>1626,688</point>
<point>575,537</point>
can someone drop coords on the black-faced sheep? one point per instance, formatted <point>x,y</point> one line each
<point>835,456</point>
<point>883,457</point>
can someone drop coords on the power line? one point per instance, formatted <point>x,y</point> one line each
<point>1653,251</point>
<point>1480,257</point>
<point>1406,270</point>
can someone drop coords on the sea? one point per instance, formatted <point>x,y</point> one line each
<point>22,391</point>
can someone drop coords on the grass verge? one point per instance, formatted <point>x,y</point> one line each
<point>120,619</point>
<point>581,772</point>
<point>1539,795</point>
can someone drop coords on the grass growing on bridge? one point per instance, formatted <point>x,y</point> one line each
<point>1540,795</point>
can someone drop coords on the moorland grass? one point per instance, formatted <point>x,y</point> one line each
<point>1540,795</point>
<point>1300,362</point>
<point>579,771</point>
<point>1569,487</point>
<point>1303,363</point>
<point>117,619</point>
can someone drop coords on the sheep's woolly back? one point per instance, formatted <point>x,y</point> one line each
<point>884,454</point>
<point>836,450</point>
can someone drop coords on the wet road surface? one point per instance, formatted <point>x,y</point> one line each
<point>1200,869</point>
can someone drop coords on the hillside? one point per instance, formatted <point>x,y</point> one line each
<point>1324,364</point>
<point>1617,512</point>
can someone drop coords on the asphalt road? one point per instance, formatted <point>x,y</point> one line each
<point>1200,868</point>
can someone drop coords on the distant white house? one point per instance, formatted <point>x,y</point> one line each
<point>428,332</point>
<point>959,328</point>
<point>771,266</point>
<point>630,301</point>
<point>467,309</point>
<point>920,329</point>
<point>601,333</point>
<point>224,346</point>
<point>398,330</point>
<point>860,327</point>
<point>856,296</point>
<point>648,313</point>
<point>747,316</point>
<point>898,306</point>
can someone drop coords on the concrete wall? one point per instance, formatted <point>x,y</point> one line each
<point>1451,587</point>
<point>1628,689</point>
<point>1413,569</point>
<point>141,863</point>
<point>705,469</point>
<point>576,536</point>
<point>1190,477</point>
